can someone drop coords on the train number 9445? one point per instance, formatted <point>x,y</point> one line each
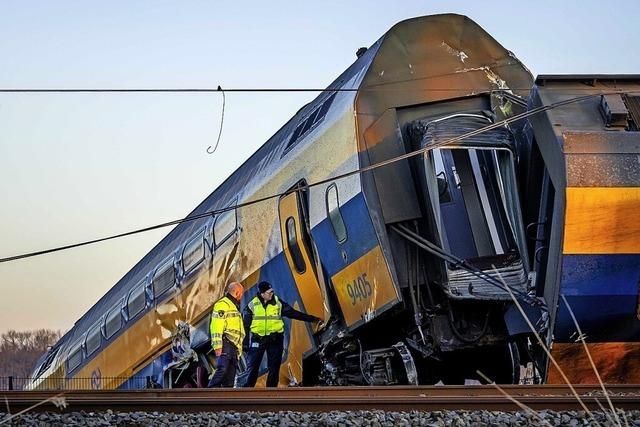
<point>360,289</point>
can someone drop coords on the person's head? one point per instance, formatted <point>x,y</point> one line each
<point>235,289</point>
<point>265,290</point>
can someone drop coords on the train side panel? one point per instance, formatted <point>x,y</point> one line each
<point>255,252</point>
<point>588,252</point>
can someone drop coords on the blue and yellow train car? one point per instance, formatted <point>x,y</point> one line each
<point>584,188</point>
<point>412,261</point>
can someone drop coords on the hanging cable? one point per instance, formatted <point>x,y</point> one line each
<point>306,186</point>
<point>221,123</point>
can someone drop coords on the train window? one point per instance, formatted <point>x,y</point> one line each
<point>93,340</point>
<point>193,253</point>
<point>296,134</point>
<point>224,227</point>
<point>294,248</point>
<point>75,357</point>
<point>113,322</point>
<point>47,362</point>
<point>334,214</point>
<point>164,278</point>
<point>137,301</point>
<point>325,107</point>
<point>310,122</point>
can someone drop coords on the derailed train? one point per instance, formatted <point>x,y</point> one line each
<point>413,265</point>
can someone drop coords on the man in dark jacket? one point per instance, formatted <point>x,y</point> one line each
<point>263,316</point>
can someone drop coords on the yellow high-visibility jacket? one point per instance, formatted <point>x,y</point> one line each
<point>226,321</point>
<point>266,319</point>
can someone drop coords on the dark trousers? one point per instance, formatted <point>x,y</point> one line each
<point>226,366</point>
<point>271,344</point>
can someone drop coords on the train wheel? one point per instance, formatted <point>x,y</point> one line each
<point>504,366</point>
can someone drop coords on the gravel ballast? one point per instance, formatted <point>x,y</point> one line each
<point>335,418</point>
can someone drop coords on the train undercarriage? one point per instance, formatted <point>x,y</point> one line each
<point>448,348</point>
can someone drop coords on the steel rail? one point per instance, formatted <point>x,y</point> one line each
<point>324,399</point>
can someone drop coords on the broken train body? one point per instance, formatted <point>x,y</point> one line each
<point>414,266</point>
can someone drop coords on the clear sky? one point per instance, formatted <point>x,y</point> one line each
<point>75,167</point>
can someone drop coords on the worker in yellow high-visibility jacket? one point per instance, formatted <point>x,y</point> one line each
<point>263,316</point>
<point>227,334</point>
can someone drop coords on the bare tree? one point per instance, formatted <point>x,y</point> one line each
<point>20,350</point>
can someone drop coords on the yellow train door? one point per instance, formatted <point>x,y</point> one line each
<point>296,244</point>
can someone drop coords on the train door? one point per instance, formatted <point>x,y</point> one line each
<point>470,203</point>
<point>473,194</point>
<point>296,244</point>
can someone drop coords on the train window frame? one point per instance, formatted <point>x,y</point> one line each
<point>444,193</point>
<point>217,242</point>
<point>160,270</point>
<point>341,237</point>
<point>192,241</point>
<point>92,332</point>
<point>140,286</point>
<point>294,247</point>
<point>117,309</point>
<point>75,349</point>
<point>208,236</point>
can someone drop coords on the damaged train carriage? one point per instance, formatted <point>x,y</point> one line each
<point>395,259</point>
<point>426,87</point>
<point>581,178</point>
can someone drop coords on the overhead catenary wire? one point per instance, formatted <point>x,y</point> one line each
<point>374,88</point>
<point>170,90</point>
<point>361,170</point>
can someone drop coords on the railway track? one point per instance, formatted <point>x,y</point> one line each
<point>315,399</point>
